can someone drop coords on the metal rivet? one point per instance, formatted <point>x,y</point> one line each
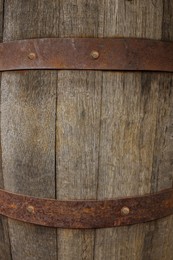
<point>30,209</point>
<point>95,54</point>
<point>32,56</point>
<point>125,211</point>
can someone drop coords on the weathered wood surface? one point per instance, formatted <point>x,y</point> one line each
<point>136,114</point>
<point>135,144</point>
<point>78,123</point>
<point>28,127</point>
<point>5,253</point>
<point>127,134</point>
<point>112,131</point>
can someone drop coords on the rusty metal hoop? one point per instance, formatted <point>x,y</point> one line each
<point>127,54</point>
<point>86,213</point>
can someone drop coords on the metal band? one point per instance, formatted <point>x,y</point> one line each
<point>95,54</point>
<point>87,213</point>
<point>87,53</point>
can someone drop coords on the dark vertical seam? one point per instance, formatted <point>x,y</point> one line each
<point>101,101</point>
<point>3,10</point>
<point>163,15</point>
<point>155,175</point>
<point>56,103</point>
<point>3,18</point>
<point>7,222</point>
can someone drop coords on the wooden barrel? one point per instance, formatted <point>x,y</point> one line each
<point>71,135</point>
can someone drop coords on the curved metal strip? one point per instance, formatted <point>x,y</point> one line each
<point>87,53</point>
<point>86,213</point>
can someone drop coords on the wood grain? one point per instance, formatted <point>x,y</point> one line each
<point>78,123</point>
<point>135,109</point>
<point>28,127</point>
<point>112,136</point>
<point>5,249</point>
<point>159,239</point>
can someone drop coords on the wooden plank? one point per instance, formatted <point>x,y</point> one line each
<point>78,122</point>
<point>126,152</point>
<point>4,236</point>
<point>167,22</point>
<point>159,240</point>
<point>28,153</point>
<point>28,127</point>
<point>117,127</point>
<point>134,107</point>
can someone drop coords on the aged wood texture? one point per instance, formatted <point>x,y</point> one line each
<point>113,131</point>
<point>159,239</point>
<point>4,237</point>
<point>28,127</point>
<point>78,123</point>
<point>135,118</point>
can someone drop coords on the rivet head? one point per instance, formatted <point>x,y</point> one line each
<point>32,56</point>
<point>95,54</point>
<point>30,209</point>
<point>125,211</point>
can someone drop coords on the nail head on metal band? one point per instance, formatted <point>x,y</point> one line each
<point>95,54</point>
<point>87,213</point>
<point>125,54</point>
<point>116,54</point>
<point>125,211</point>
<point>32,56</point>
<point>30,209</point>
